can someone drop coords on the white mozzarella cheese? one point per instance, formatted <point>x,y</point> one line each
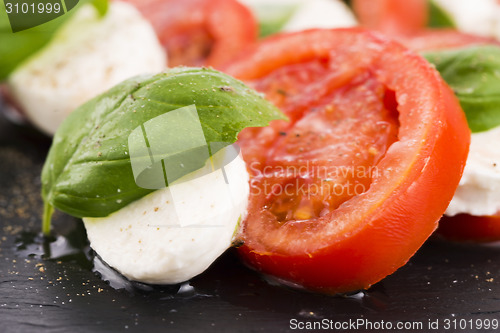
<point>175,233</point>
<point>479,189</point>
<point>303,14</point>
<point>326,14</point>
<point>480,17</point>
<point>87,56</point>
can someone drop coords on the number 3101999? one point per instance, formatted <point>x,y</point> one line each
<point>32,8</point>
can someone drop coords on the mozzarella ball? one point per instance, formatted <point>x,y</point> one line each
<point>175,233</point>
<point>324,14</point>
<point>479,189</point>
<point>479,17</point>
<point>303,14</point>
<point>86,57</point>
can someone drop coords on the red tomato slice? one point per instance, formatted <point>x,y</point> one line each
<point>200,32</point>
<point>464,227</point>
<point>441,39</point>
<point>355,102</point>
<point>394,17</point>
<point>406,21</point>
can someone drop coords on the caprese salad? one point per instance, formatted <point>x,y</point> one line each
<point>466,53</point>
<point>354,143</point>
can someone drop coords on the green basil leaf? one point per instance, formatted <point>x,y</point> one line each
<point>438,17</point>
<point>15,48</point>
<point>272,17</point>
<point>348,3</point>
<point>474,75</point>
<point>88,171</point>
<point>101,6</point>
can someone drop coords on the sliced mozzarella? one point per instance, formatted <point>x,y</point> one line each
<point>175,233</point>
<point>480,17</point>
<point>87,56</point>
<point>479,189</point>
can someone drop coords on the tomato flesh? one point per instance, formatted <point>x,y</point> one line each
<point>324,157</point>
<point>406,21</point>
<point>442,39</point>
<point>462,227</point>
<point>200,32</point>
<point>354,101</point>
<point>394,17</point>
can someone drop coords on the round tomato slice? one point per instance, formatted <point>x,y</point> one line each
<point>346,191</point>
<point>200,32</point>
<point>469,228</point>
<point>394,17</point>
<point>462,227</point>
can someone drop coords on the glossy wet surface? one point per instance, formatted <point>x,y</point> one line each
<point>52,284</point>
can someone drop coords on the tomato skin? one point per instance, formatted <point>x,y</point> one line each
<point>462,227</point>
<point>394,17</point>
<point>442,39</point>
<point>469,228</point>
<point>235,28</point>
<point>406,22</point>
<point>200,32</point>
<point>381,229</point>
<point>12,106</point>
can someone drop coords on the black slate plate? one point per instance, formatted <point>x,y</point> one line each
<point>448,283</point>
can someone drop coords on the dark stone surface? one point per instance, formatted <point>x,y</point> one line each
<point>63,294</point>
